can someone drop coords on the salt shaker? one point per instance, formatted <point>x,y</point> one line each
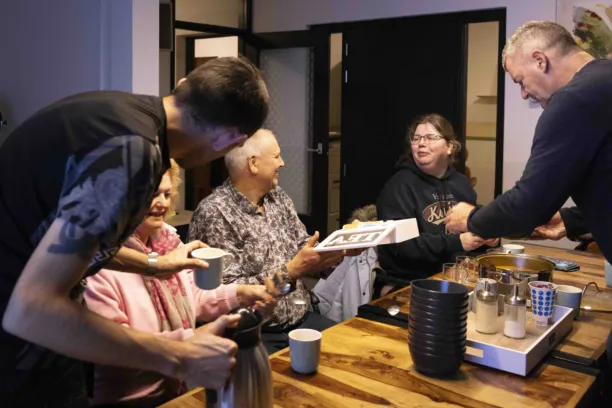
<point>486,310</point>
<point>515,315</point>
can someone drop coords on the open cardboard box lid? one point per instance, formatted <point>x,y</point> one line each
<point>370,235</point>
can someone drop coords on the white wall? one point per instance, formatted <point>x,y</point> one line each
<point>519,117</point>
<point>216,47</point>
<point>145,47</point>
<point>48,50</point>
<point>129,31</point>
<point>483,54</point>
<point>53,49</point>
<point>481,106</point>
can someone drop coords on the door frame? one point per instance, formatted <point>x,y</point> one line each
<point>317,38</point>
<point>250,46</point>
<point>212,31</point>
<point>466,17</point>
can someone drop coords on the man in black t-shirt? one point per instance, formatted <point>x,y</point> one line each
<point>571,153</point>
<point>75,180</point>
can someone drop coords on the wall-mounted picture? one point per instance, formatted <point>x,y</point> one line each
<point>591,24</point>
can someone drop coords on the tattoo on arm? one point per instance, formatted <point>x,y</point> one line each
<point>74,240</point>
<point>105,195</point>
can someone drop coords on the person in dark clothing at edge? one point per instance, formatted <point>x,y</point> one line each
<point>88,167</point>
<point>569,222</point>
<point>571,155</point>
<point>425,186</point>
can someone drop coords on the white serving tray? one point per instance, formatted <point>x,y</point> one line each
<point>512,355</point>
<point>388,232</point>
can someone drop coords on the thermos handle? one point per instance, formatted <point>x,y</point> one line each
<point>211,398</point>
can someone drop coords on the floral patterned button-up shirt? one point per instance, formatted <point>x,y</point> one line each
<point>261,243</point>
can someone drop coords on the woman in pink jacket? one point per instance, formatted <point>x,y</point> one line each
<point>169,307</point>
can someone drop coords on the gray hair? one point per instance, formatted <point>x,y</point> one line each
<point>364,214</point>
<point>547,33</point>
<point>237,159</point>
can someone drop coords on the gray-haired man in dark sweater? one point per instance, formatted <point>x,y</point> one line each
<point>571,155</point>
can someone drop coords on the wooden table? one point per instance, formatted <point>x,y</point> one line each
<point>591,266</point>
<point>367,364</point>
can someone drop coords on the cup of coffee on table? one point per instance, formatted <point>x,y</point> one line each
<point>305,350</point>
<point>569,296</point>
<point>608,273</point>
<point>218,261</point>
<point>513,249</point>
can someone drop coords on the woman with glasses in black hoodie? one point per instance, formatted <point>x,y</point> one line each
<point>425,186</point>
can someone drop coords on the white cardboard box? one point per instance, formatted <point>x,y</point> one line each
<point>388,232</point>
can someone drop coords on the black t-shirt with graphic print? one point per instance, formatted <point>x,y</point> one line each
<point>93,160</point>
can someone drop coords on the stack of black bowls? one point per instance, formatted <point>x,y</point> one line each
<point>437,328</point>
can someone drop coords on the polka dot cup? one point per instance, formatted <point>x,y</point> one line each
<point>542,301</point>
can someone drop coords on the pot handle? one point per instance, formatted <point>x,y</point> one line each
<point>589,284</point>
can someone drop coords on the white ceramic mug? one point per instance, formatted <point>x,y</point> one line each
<point>218,261</point>
<point>569,296</point>
<point>608,273</point>
<point>305,350</point>
<point>513,249</point>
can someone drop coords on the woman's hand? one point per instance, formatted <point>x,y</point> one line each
<point>470,242</point>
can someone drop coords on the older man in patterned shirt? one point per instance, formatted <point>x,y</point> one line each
<point>251,217</point>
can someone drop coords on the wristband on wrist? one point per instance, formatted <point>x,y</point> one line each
<point>152,261</point>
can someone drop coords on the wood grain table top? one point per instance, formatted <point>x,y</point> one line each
<point>367,364</point>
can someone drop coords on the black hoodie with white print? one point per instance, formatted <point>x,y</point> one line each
<point>411,193</point>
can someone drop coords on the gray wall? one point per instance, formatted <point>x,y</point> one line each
<point>49,49</point>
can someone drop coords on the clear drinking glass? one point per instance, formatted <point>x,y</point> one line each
<point>450,272</point>
<point>468,269</point>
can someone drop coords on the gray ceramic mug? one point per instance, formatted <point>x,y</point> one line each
<point>218,261</point>
<point>569,296</point>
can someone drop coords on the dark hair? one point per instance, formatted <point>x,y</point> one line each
<point>441,124</point>
<point>225,91</point>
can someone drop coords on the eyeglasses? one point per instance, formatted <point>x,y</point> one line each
<point>415,139</point>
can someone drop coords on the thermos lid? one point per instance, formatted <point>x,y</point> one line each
<point>515,299</point>
<point>247,333</point>
<point>486,295</point>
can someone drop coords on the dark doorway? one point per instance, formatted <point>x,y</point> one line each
<point>394,70</point>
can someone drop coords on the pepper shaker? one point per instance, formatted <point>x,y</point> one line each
<point>486,310</point>
<point>515,315</point>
